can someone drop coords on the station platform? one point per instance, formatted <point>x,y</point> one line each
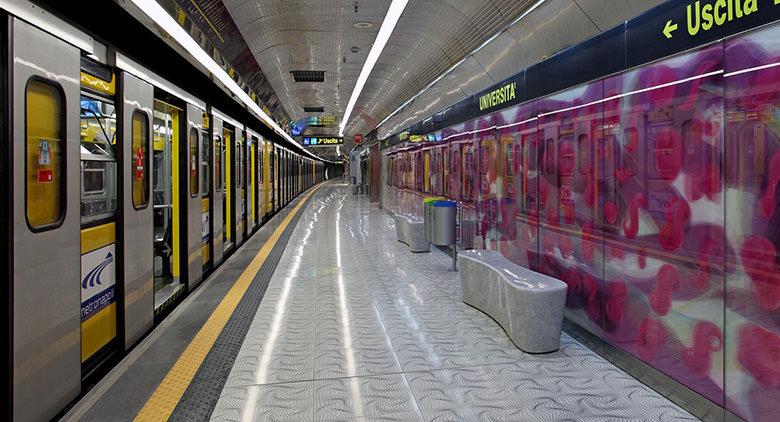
<point>324,316</point>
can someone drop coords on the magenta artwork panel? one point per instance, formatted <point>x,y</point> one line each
<point>664,260</point>
<point>751,178</point>
<point>519,199</point>
<point>570,241</point>
<point>653,195</point>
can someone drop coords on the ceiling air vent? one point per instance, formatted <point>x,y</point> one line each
<point>314,109</point>
<point>308,75</point>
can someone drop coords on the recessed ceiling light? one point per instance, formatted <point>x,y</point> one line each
<point>363,25</point>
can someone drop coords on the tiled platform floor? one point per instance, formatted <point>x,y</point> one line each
<point>355,327</point>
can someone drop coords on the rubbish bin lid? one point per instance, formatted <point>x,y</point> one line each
<point>433,199</point>
<point>445,204</point>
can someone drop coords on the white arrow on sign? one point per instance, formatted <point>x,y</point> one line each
<point>671,27</point>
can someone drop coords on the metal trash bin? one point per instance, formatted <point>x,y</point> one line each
<point>444,223</point>
<point>428,216</point>
<point>445,227</point>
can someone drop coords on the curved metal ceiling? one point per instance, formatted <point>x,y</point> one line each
<point>431,37</point>
<point>548,29</point>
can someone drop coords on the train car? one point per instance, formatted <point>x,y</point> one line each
<point>123,191</point>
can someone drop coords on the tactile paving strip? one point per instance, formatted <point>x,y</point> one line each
<point>202,394</point>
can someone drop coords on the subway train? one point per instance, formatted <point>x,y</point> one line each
<point>651,191</point>
<point>122,193</point>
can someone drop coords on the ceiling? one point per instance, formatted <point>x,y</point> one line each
<point>431,36</point>
<point>548,29</point>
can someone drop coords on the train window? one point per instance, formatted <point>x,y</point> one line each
<point>44,151</point>
<point>140,159</point>
<point>93,179</point>
<point>194,162</point>
<point>98,161</point>
<point>239,163</point>
<point>219,181</point>
<point>260,162</point>
<point>205,165</point>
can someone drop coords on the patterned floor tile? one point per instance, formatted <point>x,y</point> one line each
<point>279,402</point>
<point>374,397</point>
<point>368,331</point>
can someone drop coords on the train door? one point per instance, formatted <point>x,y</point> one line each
<point>252,190</point>
<point>98,214</point>
<point>44,102</point>
<point>285,177</point>
<point>262,189</point>
<point>205,191</point>
<point>280,177</point>
<point>228,205</point>
<point>137,213</point>
<point>239,179</point>
<point>192,204</point>
<point>217,190</point>
<point>273,177</point>
<point>167,203</point>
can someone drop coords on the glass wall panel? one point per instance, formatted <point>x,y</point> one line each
<point>751,176</point>
<point>571,244</point>
<point>664,217</point>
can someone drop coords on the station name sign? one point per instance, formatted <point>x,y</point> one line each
<point>322,141</point>
<point>498,97</point>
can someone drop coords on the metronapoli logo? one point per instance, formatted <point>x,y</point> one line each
<point>98,278</point>
<point>93,277</point>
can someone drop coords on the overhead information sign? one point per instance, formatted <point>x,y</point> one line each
<point>322,141</point>
<point>681,25</point>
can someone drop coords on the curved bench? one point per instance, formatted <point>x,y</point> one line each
<point>409,230</point>
<point>528,305</point>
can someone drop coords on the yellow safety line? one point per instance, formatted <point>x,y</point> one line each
<point>164,399</point>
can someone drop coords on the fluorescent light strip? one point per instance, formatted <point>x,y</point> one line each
<point>614,97</point>
<point>156,13</point>
<point>751,69</point>
<point>496,35</point>
<point>638,91</point>
<point>388,26</point>
<point>518,123</point>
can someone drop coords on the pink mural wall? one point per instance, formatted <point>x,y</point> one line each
<point>654,195</point>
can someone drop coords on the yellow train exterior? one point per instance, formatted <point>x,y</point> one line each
<point>125,193</point>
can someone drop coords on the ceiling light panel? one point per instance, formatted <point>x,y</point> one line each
<point>385,31</point>
<point>156,13</point>
<point>287,35</point>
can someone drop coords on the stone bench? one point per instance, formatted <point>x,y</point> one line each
<point>528,305</point>
<point>409,230</point>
